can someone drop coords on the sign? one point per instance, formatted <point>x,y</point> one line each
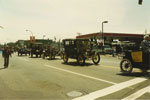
<point>32,39</point>
<point>137,56</point>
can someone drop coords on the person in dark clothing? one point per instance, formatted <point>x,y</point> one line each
<point>145,45</point>
<point>6,53</point>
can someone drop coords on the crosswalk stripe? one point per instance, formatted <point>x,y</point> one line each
<point>138,94</point>
<point>111,89</point>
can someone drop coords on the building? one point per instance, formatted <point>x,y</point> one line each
<point>28,42</point>
<point>110,37</point>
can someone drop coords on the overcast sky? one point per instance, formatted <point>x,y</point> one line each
<point>65,18</point>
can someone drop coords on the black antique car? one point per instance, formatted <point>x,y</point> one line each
<point>49,51</point>
<point>22,51</point>
<point>134,57</point>
<point>36,49</point>
<point>80,49</point>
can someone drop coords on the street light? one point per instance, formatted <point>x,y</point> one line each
<point>30,32</point>
<point>103,32</point>
<point>44,36</point>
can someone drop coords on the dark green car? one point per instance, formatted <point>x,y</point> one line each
<point>81,49</point>
<point>36,49</point>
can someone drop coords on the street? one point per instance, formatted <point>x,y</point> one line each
<point>37,78</point>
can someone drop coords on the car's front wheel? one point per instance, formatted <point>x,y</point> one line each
<point>126,66</point>
<point>43,56</point>
<point>96,58</point>
<point>31,55</point>
<point>50,56</point>
<point>65,58</point>
<point>81,59</point>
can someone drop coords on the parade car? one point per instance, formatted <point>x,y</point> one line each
<point>134,57</point>
<point>49,51</point>
<point>22,51</point>
<point>81,50</point>
<point>36,49</point>
<point>108,49</point>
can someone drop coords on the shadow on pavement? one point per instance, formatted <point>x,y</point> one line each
<point>76,64</point>
<point>2,68</point>
<point>53,59</point>
<point>135,74</point>
<point>35,57</point>
<point>22,55</point>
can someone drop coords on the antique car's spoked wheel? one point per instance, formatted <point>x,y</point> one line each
<point>43,56</point>
<point>53,57</point>
<point>81,59</point>
<point>61,55</point>
<point>31,55</point>
<point>126,66</point>
<point>65,58</point>
<point>96,58</point>
<point>50,56</point>
<point>144,71</point>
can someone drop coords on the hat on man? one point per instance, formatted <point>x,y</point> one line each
<point>146,36</point>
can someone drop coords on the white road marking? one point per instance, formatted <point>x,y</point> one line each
<point>23,59</point>
<point>138,94</point>
<point>94,78</point>
<point>111,89</point>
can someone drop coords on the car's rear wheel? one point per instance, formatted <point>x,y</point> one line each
<point>81,59</point>
<point>144,71</point>
<point>43,56</point>
<point>126,66</point>
<point>50,56</point>
<point>53,57</point>
<point>31,55</point>
<point>65,58</point>
<point>61,55</point>
<point>96,58</point>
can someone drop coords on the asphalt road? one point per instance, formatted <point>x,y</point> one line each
<point>37,78</point>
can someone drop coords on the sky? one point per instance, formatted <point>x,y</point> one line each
<point>65,18</point>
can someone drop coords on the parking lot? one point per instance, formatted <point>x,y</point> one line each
<point>36,78</point>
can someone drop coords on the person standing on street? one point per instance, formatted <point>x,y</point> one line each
<point>145,45</point>
<point>6,53</point>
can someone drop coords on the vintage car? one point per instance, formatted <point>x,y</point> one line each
<point>61,52</point>
<point>81,49</point>
<point>22,51</point>
<point>134,57</point>
<point>106,49</point>
<point>49,51</point>
<point>36,49</point>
